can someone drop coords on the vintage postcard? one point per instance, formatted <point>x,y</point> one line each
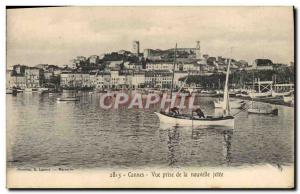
<point>150,97</point>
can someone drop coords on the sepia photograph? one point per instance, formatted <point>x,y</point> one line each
<point>150,97</point>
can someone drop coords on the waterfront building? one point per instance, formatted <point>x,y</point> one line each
<point>34,77</point>
<point>67,79</point>
<point>19,70</point>
<point>93,79</point>
<point>117,80</point>
<point>105,78</point>
<point>48,75</point>
<point>158,78</point>
<point>13,80</point>
<point>85,80</point>
<point>9,79</point>
<point>57,72</point>
<point>75,80</point>
<point>138,79</point>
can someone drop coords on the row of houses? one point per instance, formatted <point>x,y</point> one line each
<point>33,77</point>
<point>29,77</point>
<point>119,79</point>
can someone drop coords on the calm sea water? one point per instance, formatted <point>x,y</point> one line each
<point>44,133</point>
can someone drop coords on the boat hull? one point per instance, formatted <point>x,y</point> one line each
<point>233,104</point>
<point>263,111</point>
<point>277,94</point>
<point>260,95</point>
<point>68,99</point>
<point>222,121</point>
<point>288,99</point>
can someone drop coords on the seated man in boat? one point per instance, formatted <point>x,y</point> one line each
<point>199,113</point>
<point>175,111</point>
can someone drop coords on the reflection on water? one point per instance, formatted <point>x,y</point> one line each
<point>44,133</point>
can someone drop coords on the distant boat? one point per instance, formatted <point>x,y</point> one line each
<point>237,104</point>
<point>260,94</point>
<point>68,99</point>
<point>43,90</point>
<point>288,99</point>
<point>68,95</point>
<point>30,90</point>
<point>9,91</point>
<point>264,111</point>
<point>278,94</point>
<point>226,119</point>
<point>208,93</point>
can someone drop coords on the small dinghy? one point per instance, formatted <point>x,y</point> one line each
<point>68,99</point>
<point>68,95</point>
<point>260,94</point>
<point>263,111</point>
<point>289,99</point>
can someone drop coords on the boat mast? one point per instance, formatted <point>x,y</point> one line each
<point>226,93</point>
<point>175,52</point>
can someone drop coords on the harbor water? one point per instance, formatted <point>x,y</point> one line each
<point>44,133</point>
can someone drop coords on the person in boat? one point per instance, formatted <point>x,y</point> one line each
<point>199,113</point>
<point>175,111</point>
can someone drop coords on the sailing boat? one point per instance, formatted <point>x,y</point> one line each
<point>226,119</point>
<point>237,104</point>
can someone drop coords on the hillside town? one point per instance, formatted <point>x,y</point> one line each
<point>152,68</point>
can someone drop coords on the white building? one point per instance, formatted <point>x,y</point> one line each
<point>34,77</point>
<point>163,66</point>
<point>77,80</point>
<point>117,80</point>
<point>158,79</point>
<point>15,81</point>
<point>138,80</point>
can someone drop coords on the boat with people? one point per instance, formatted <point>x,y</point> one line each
<point>173,116</point>
<point>186,120</point>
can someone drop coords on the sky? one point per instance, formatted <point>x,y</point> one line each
<point>57,35</point>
